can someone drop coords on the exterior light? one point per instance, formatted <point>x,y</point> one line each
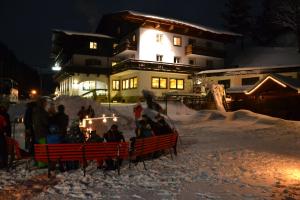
<point>104,120</point>
<point>33,92</point>
<point>258,86</point>
<point>115,119</point>
<point>56,67</point>
<point>90,121</point>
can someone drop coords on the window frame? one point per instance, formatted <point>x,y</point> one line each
<point>251,79</point>
<point>225,85</point>
<point>179,37</point>
<point>161,56</point>
<point>159,38</point>
<point>114,88</point>
<point>176,83</point>
<point>159,82</point>
<point>93,45</point>
<point>177,58</point>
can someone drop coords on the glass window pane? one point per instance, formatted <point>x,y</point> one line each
<point>131,83</point>
<point>172,83</point>
<point>155,82</point>
<point>163,83</point>
<point>127,84</point>
<point>135,83</point>
<point>180,84</point>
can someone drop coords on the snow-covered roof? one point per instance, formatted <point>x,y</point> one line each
<point>180,22</point>
<point>83,34</point>
<point>247,69</point>
<point>240,89</point>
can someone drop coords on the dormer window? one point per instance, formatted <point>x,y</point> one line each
<point>93,45</point>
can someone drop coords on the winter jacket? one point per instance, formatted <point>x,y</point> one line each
<point>137,111</point>
<point>114,136</point>
<point>40,120</point>
<point>61,120</point>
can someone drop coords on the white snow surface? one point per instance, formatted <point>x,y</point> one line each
<point>236,155</point>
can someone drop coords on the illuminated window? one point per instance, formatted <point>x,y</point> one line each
<point>133,38</point>
<point>116,85</point>
<point>159,38</point>
<point>159,83</point>
<point>177,84</point>
<point>93,45</point>
<point>159,58</point>
<point>176,59</point>
<point>88,85</point>
<point>133,83</point>
<point>125,84</point>
<point>113,63</point>
<point>115,45</point>
<point>177,41</point>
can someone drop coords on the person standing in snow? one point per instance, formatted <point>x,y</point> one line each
<point>137,110</point>
<point>113,135</point>
<point>81,113</point>
<point>90,112</point>
<point>3,145</point>
<point>61,120</point>
<point>3,112</point>
<point>29,134</point>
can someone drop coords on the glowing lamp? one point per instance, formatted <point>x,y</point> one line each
<point>56,67</point>
<point>90,121</point>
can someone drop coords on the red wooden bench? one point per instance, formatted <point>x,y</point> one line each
<point>147,146</point>
<point>50,153</point>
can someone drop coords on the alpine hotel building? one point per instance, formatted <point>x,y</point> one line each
<point>131,51</point>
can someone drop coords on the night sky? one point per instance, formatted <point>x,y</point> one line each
<point>25,26</point>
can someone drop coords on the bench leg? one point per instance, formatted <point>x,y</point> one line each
<point>171,153</point>
<point>118,166</point>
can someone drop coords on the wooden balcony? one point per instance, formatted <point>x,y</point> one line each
<point>204,51</point>
<point>124,47</point>
<point>132,64</point>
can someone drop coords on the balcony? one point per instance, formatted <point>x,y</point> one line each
<point>132,64</point>
<point>124,47</point>
<point>192,49</point>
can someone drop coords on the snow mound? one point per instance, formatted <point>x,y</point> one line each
<point>217,115</point>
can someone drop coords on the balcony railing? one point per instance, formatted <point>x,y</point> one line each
<point>205,51</point>
<point>125,46</point>
<point>132,64</point>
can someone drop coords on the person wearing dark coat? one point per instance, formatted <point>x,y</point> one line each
<point>40,119</point>
<point>3,145</point>
<point>90,112</point>
<point>28,123</point>
<point>61,120</point>
<point>81,113</point>
<point>113,135</point>
<point>3,112</point>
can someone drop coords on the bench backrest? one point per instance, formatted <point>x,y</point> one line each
<point>152,144</point>
<point>80,152</point>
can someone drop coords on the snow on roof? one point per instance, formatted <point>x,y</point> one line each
<point>83,34</point>
<point>247,69</point>
<point>201,27</point>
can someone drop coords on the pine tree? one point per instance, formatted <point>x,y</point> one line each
<point>237,17</point>
<point>286,14</point>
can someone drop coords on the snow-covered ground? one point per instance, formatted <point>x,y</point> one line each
<point>239,155</point>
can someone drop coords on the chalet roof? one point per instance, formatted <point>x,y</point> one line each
<point>281,80</point>
<point>83,34</point>
<point>175,21</point>
<point>254,68</point>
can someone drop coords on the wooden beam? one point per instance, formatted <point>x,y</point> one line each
<point>186,30</point>
<point>157,26</point>
<point>171,28</point>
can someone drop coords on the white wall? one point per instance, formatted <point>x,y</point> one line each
<point>148,47</point>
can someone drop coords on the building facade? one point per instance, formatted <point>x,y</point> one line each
<point>131,52</point>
